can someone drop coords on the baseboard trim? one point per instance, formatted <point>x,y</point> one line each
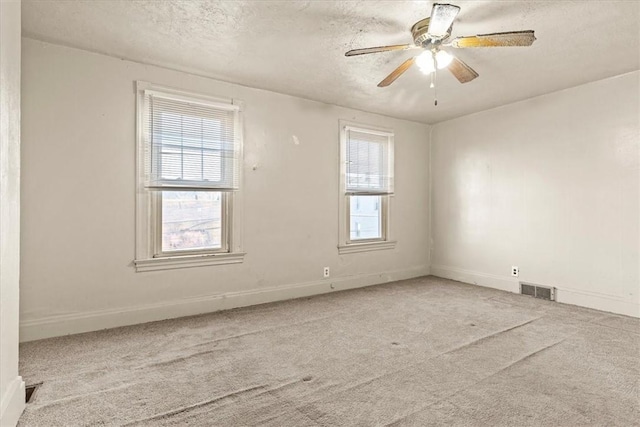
<point>598,301</point>
<point>53,326</point>
<point>12,403</point>
<point>475,278</point>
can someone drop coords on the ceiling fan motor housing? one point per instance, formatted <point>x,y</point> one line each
<point>421,36</point>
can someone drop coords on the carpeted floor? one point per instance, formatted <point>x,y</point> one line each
<point>419,352</point>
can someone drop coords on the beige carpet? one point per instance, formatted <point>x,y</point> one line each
<point>419,352</point>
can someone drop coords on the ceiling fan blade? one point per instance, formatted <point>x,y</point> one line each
<point>442,16</point>
<point>397,72</point>
<point>513,38</point>
<point>366,50</point>
<point>462,71</point>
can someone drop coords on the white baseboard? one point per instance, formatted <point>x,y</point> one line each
<point>609,303</point>
<point>475,278</point>
<point>34,329</point>
<point>12,403</point>
<point>598,301</point>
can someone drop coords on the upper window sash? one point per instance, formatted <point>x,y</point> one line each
<point>190,143</point>
<point>368,161</point>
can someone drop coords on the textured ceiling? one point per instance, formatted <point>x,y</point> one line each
<point>298,47</point>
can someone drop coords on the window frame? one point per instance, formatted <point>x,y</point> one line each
<point>346,245</point>
<point>149,255</point>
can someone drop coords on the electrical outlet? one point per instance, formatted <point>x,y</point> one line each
<point>326,272</point>
<point>515,271</point>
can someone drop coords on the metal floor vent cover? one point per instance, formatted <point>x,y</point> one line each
<point>543,292</point>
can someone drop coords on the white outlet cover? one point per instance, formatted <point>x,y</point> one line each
<point>515,271</point>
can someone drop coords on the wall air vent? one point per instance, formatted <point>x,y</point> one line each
<point>538,291</point>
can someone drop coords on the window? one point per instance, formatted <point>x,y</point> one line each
<point>365,218</point>
<point>192,221</point>
<point>366,177</point>
<point>189,162</point>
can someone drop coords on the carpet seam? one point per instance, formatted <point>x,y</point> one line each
<point>188,408</point>
<point>526,357</point>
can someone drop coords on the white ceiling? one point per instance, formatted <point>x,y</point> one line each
<point>298,47</point>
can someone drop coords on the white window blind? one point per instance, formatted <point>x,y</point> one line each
<point>369,162</point>
<point>189,144</point>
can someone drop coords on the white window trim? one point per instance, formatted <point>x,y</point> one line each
<point>346,245</point>
<point>145,199</point>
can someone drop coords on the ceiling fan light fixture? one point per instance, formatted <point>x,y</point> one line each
<point>424,61</point>
<point>443,59</point>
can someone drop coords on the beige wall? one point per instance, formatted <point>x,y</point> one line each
<point>78,204</point>
<point>550,185</point>
<point>11,385</point>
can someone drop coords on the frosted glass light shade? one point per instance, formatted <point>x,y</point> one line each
<point>425,61</point>
<point>443,59</point>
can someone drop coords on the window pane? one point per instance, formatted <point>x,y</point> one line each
<point>191,220</point>
<point>191,144</point>
<point>365,217</point>
<point>364,165</point>
<point>369,165</point>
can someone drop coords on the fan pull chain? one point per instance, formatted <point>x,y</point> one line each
<point>434,82</point>
<point>435,87</point>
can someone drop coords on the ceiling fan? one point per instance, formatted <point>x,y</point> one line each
<point>432,34</point>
